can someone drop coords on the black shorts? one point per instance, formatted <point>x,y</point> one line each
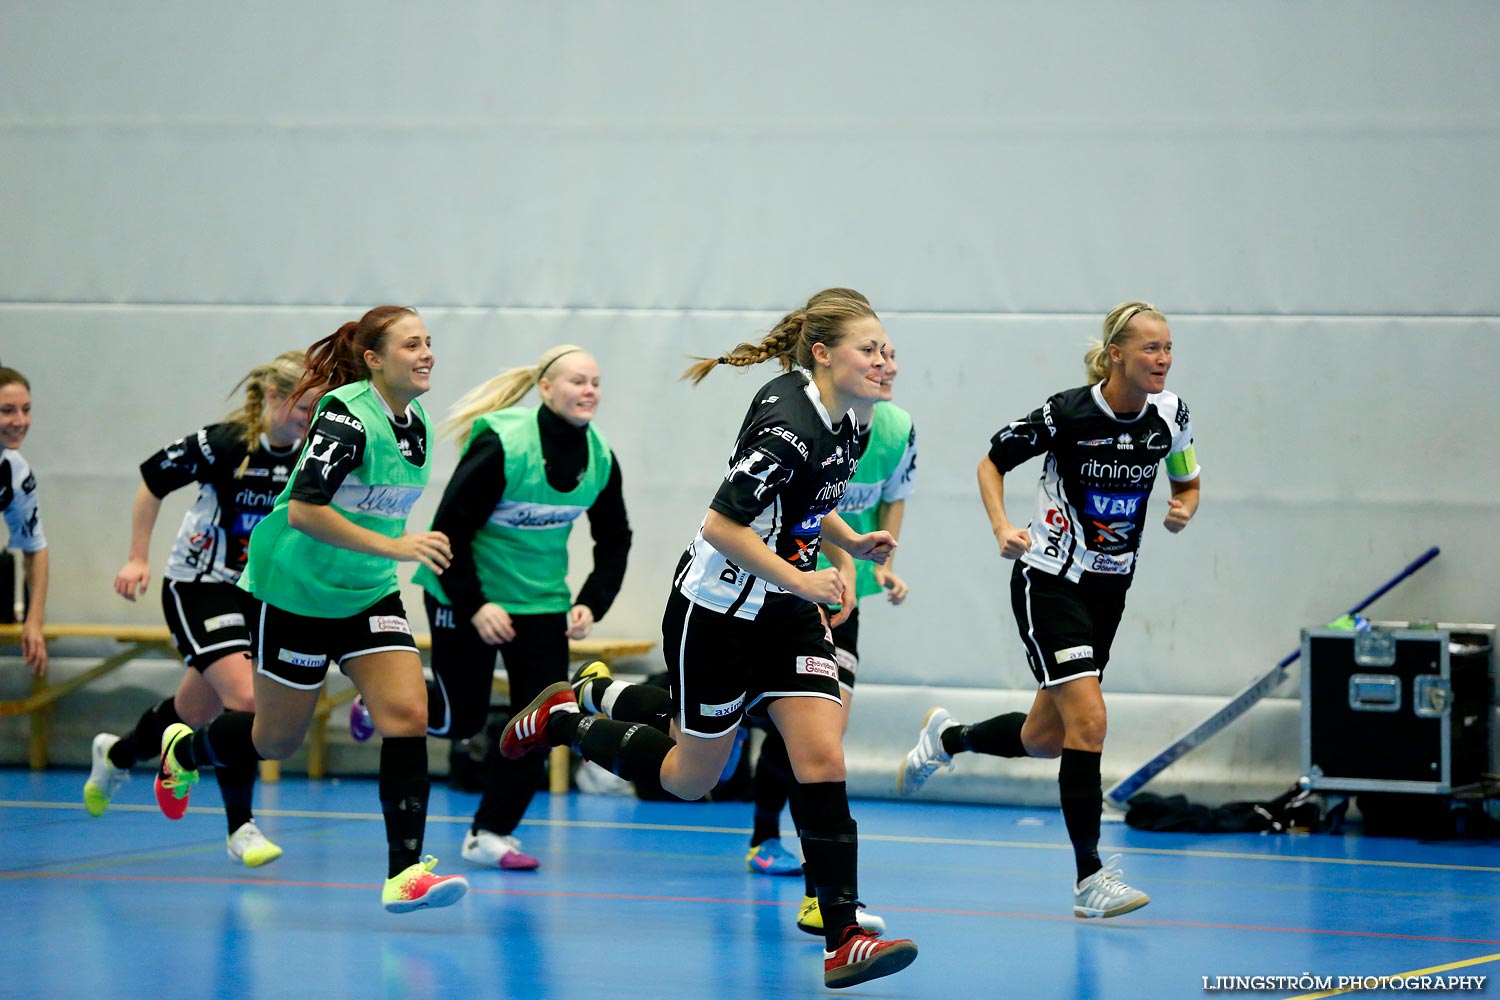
<point>463,666</point>
<point>1067,628</point>
<point>846,649</point>
<point>208,620</point>
<point>719,667</point>
<point>297,650</point>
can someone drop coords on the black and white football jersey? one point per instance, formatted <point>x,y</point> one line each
<point>19,504</point>
<point>1099,470</point>
<point>790,468</point>
<point>234,493</point>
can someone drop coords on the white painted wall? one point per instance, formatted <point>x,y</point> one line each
<point>1309,193</point>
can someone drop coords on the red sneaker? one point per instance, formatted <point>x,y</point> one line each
<point>526,732</point>
<point>863,957</point>
<point>173,781</point>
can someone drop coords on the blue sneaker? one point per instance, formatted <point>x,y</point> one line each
<point>741,737</point>
<point>361,726</point>
<point>770,858</point>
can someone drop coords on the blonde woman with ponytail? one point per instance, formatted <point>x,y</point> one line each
<point>1103,443</point>
<point>745,628</point>
<point>239,464</point>
<point>526,474</point>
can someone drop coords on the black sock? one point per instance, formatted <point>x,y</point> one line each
<point>997,737</point>
<point>1082,801</point>
<point>144,741</point>
<point>642,703</point>
<point>404,787</point>
<point>830,842</point>
<point>224,742</point>
<point>237,785</point>
<point>798,809</point>
<point>630,750</point>
<point>772,783</point>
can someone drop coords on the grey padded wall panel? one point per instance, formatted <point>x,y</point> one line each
<point>1308,190</point>
<point>1272,158</point>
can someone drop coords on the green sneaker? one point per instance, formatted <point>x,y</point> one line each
<point>417,887</point>
<point>104,778</point>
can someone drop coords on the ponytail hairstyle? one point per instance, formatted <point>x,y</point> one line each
<point>339,358</point>
<point>9,376</point>
<point>281,375</point>
<point>505,389</point>
<point>790,341</point>
<point>1096,362</point>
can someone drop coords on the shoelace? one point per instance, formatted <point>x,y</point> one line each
<point>176,780</point>
<point>1109,878</point>
<point>931,759</point>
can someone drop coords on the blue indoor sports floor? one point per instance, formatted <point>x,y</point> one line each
<point>652,900</point>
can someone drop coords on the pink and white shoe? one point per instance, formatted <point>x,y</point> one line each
<point>494,850</point>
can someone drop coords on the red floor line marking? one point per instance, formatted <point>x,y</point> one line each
<point>637,897</point>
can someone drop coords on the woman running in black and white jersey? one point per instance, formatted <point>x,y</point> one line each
<point>240,465</point>
<point>744,629</point>
<point>1103,443</point>
<point>23,515</point>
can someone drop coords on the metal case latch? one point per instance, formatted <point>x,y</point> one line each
<point>1431,696</point>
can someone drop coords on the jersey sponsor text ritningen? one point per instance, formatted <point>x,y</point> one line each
<point>1091,505</point>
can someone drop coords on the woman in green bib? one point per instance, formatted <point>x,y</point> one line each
<point>526,474</point>
<point>322,570</point>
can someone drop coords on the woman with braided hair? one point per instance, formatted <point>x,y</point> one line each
<point>744,628</point>
<point>322,569</point>
<point>240,465</point>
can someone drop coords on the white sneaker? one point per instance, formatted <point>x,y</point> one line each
<point>493,850</point>
<point>923,760</point>
<point>1104,894</point>
<point>104,778</point>
<point>250,847</point>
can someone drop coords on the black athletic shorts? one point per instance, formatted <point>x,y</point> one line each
<point>1067,628</point>
<point>720,667</point>
<point>846,649</point>
<point>297,650</point>
<point>209,620</point>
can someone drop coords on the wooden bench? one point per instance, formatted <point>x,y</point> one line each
<point>141,640</point>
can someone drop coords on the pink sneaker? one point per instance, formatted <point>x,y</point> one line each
<point>493,850</point>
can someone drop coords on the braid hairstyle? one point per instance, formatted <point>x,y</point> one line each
<point>282,375</point>
<point>1096,362</point>
<point>339,358</point>
<point>504,390</point>
<point>790,341</point>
